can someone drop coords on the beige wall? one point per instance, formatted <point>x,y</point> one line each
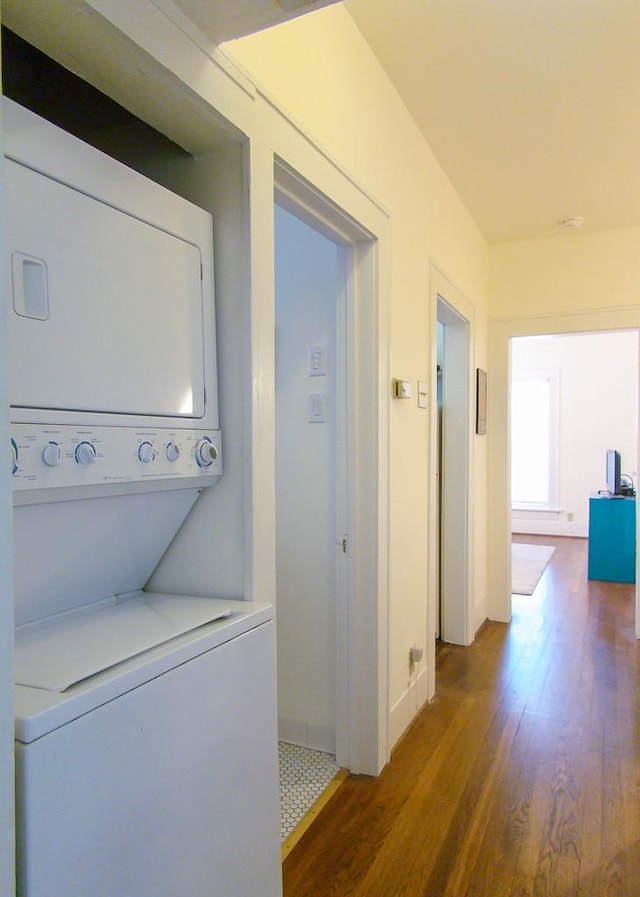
<point>567,274</point>
<point>320,71</point>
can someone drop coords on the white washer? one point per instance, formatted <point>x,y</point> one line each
<point>145,759</point>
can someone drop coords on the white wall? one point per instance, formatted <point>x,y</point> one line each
<point>306,295</point>
<point>598,399</point>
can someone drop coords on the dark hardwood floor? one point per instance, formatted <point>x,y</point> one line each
<point>522,778</point>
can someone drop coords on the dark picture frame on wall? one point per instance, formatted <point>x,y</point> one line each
<point>481,402</point>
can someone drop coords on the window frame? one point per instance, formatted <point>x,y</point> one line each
<point>552,376</point>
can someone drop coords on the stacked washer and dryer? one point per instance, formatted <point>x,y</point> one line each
<point>146,750</point>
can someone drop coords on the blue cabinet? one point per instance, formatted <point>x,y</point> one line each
<point>612,539</point>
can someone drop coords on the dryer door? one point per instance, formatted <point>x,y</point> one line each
<point>106,310</point>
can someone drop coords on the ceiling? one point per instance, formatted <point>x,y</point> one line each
<point>532,108</point>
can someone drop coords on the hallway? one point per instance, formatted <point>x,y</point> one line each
<point>522,778</point>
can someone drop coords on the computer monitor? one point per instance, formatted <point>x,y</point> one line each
<point>614,485</point>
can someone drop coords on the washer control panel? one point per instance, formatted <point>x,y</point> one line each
<point>43,457</point>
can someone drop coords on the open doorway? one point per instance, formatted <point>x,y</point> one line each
<point>573,397</point>
<point>344,410</point>
<point>309,378</point>
<point>330,572</point>
<point>501,333</point>
<point>452,472</point>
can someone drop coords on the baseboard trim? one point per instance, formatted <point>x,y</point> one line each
<point>318,738</point>
<point>549,528</point>
<point>408,706</point>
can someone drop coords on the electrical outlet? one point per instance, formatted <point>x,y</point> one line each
<point>415,656</point>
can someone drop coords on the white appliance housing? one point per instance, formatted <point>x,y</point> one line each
<point>112,375</point>
<point>109,285</point>
<point>146,733</point>
<point>157,776</point>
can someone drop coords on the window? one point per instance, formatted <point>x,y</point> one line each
<point>534,438</point>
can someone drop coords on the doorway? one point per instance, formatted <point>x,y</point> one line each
<point>452,490</point>
<point>358,538</point>
<point>309,378</point>
<point>501,332</point>
<point>573,397</point>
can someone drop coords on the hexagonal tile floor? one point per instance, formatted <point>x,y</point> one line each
<point>304,775</point>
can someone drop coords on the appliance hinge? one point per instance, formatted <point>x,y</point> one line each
<point>344,544</point>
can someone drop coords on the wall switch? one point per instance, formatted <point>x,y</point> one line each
<point>422,394</point>
<point>318,408</point>
<point>317,361</point>
<point>401,389</point>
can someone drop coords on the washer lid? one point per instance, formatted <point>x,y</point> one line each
<point>58,654</point>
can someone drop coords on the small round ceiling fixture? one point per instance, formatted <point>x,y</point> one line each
<point>571,223</point>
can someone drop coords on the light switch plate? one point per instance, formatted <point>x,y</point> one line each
<point>317,361</point>
<point>317,408</point>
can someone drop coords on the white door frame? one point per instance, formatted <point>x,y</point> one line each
<point>501,332</point>
<point>450,307</point>
<point>362,740</point>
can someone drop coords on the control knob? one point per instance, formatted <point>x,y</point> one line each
<point>206,452</point>
<point>172,451</point>
<point>146,452</point>
<point>85,453</point>
<point>52,454</point>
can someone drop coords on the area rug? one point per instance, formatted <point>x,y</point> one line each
<point>527,566</point>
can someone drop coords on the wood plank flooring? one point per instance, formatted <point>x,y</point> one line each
<point>522,778</point>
